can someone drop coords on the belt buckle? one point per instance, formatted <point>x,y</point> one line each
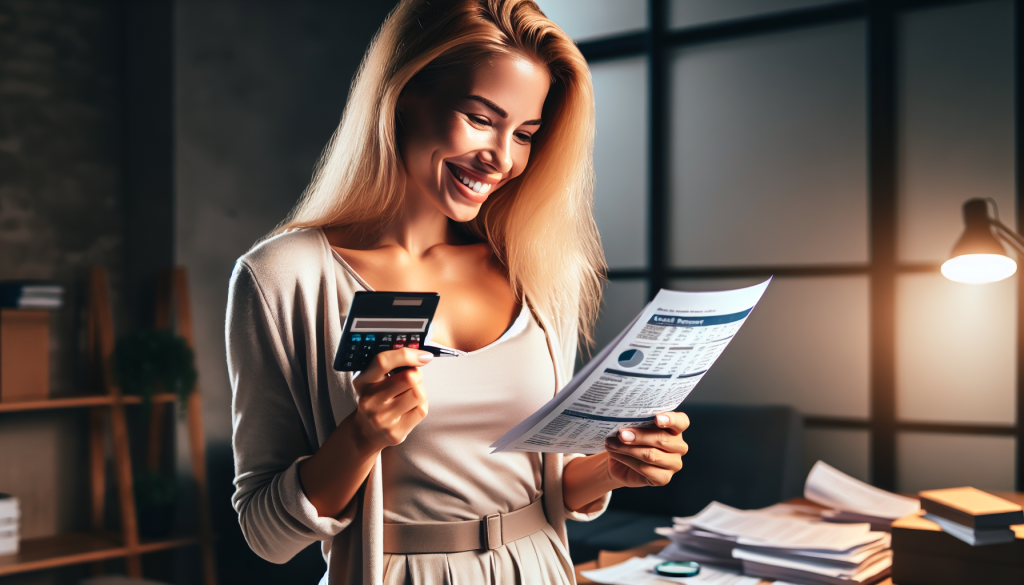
<point>492,531</point>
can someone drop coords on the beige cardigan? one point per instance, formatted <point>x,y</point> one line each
<point>284,320</point>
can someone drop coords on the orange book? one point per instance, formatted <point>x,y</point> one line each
<point>972,508</point>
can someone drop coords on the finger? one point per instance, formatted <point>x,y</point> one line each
<point>390,414</point>
<point>653,474</point>
<point>648,455</point>
<point>658,438</point>
<point>387,389</point>
<point>673,422</point>
<point>386,361</point>
<point>405,403</point>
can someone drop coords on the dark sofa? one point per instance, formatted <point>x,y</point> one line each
<point>743,456</point>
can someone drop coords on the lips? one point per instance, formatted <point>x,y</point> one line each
<point>469,185</point>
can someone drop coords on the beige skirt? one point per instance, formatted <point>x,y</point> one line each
<point>536,559</point>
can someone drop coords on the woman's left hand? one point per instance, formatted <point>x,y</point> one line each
<point>641,457</point>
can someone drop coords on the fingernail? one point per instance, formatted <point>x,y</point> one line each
<point>662,420</point>
<point>627,435</point>
<point>425,357</point>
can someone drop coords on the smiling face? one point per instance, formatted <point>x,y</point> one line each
<point>468,134</point>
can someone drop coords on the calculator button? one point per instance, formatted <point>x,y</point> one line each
<point>413,345</point>
<point>356,337</point>
<point>399,345</point>
<point>371,337</point>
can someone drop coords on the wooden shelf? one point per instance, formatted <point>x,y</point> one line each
<point>80,402</point>
<point>74,549</point>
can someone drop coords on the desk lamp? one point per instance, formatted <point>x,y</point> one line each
<point>979,257</point>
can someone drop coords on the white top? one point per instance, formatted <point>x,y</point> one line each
<point>444,470</point>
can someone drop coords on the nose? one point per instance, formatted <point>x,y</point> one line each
<point>499,155</point>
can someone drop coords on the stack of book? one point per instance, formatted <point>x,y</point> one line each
<point>975,517</point>
<point>781,542</point>
<point>926,553</point>
<point>16,294</point>
<point>9,515</point>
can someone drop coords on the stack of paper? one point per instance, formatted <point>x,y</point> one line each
<point>690,543</point>
<point>9,515</point>
<point>776,543</point>
<point>851,500</point>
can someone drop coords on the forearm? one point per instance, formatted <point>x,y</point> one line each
<point>332,476</point>
<point>586,480</point>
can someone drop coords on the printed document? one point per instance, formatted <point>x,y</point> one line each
<point>651,367</point>
<point>832,488</point>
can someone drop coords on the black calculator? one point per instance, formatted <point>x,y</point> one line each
<point>380,321</point>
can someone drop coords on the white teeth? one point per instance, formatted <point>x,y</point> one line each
<point>476,186</point>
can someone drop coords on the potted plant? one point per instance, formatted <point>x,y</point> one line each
<point>145,361</point>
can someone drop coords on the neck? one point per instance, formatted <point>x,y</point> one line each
<point>418,227</point>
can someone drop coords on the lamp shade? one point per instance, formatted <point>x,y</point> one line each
<point>978,257</point>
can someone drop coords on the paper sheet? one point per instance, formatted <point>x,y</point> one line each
<point>651,367</point>
<point>810,565</point>
<point>832,488</point>
<point>640,571</point>
<point>758,529</point>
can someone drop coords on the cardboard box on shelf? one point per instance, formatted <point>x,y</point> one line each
<point>24,355</point>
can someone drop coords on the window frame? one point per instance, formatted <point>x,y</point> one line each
<point>883,266</point>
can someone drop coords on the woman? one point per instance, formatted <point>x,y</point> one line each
<point>463,166</point>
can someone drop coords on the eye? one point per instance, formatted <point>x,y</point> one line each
<point>524,137</point>
<point>479,120</point>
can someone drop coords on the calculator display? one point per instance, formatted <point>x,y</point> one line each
<point>381,321</point>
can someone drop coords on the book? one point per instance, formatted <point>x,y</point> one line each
<point>9,515</point>
<point>27,295</point>
<point>973,536</point>
<point>972,508</point>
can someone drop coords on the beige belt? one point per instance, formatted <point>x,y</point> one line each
<point>490,532</point>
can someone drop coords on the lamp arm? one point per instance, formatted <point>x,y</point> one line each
<point>1008,235</point>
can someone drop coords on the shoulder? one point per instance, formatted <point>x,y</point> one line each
<point>285,261</point>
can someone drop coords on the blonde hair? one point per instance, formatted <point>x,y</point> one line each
<point>540,224</point>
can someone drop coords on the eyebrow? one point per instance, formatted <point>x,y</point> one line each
<point>499,110</point>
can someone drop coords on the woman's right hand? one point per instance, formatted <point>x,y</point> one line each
<point>390,405</point>
<point>389,408</point>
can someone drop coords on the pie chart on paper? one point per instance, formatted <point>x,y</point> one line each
<point>631,358</point>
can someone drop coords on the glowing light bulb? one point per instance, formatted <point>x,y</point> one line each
<point>978,268</point>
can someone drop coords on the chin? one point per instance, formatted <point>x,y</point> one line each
<point>463,213</point>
